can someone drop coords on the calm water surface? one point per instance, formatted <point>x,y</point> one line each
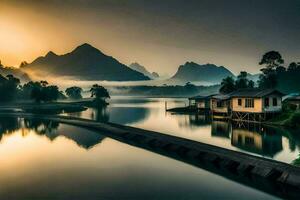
<point>149,113</point>
<point>47,160</point>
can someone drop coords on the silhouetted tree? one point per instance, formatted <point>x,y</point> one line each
<point>294,66</point>
<point>242,81</point>
<point>74,92</point>
<point>40,91</point>
<point>271,60</point>
<point>251,84</point>
<point>227,85</point>
<point>99,93</point>
<point>9,87</point>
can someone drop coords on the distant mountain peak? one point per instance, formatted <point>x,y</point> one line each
<point>84,62</point>
<point>86,48</point>
<point>191,71</point>
<point>137,67</point>
<point>50,54</point>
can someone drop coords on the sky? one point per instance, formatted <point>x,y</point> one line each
<point>159,34</point>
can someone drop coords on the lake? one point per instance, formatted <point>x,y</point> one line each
<point>149,113</point>
<point>42,159</point>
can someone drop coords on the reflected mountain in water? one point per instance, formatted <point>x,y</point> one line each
<point>121,115</point>
<point>82,137</point>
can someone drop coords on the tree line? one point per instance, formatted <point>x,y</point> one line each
<point>274,75</point>
<point>40,91</point>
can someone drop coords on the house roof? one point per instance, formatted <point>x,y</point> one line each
<point>254,93</point>
<point>221,96</point>
<point>293,98</point>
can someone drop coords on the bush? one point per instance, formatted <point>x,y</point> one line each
<point>289,107</point>
<point>294,121</point>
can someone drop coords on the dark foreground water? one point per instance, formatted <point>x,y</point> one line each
<point>46,160</point>
<point>149,113</point>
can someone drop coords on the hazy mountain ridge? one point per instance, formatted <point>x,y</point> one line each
<point>137,67</point>
<point>16,72</point>
<point>194,72</point>
<point>84,62</point>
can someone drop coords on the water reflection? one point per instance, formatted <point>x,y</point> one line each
<point>122,115</point>
<point>50,129</point>
<point>220,129</point>
<point>260,141</point>
<point>148,113</point>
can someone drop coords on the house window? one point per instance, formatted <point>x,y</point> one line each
<point>267,104</point>
<point>240,102</point>
<point>249,103</point>
<point>275,102</point>
<point>219,104</point>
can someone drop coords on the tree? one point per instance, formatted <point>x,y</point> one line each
<point>40,91</point>
<point>9,88</point>
<point>1,64</point>
<point>294,66</point>
<point>99,93</point>
<point>227,85</point>
<point>242,81</point>
<point>271,60</point>
<point>251,84</point>
<point>280,69</point>
<point>74,92</point>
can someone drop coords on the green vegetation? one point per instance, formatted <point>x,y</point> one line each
<point>290,117</point>
<point>100,94</point>
<point>74,92</point>
<point>272,61</point>
<point>41,91</point>
<point>274,75</point>
<point>293,121</point>
<point>297,161</point>
<point>229,84</point>
<point>40,97</point>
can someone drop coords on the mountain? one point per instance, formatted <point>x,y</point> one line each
<point>4,71</point>
<point>137,67</point>
<point>86,63</point>
<point>193,72</point>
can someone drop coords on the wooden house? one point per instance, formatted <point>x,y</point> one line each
<point>255,104</point>
<point>200,102</point>
<point>220,105</point>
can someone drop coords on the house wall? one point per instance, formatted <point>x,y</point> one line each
<point>223,109</point>
<point>201,104</point>
<point>259,106</point>
<point>271,107</point>
<point>256,109</point>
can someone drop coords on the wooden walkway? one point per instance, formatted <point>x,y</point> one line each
<point>276,178</point>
